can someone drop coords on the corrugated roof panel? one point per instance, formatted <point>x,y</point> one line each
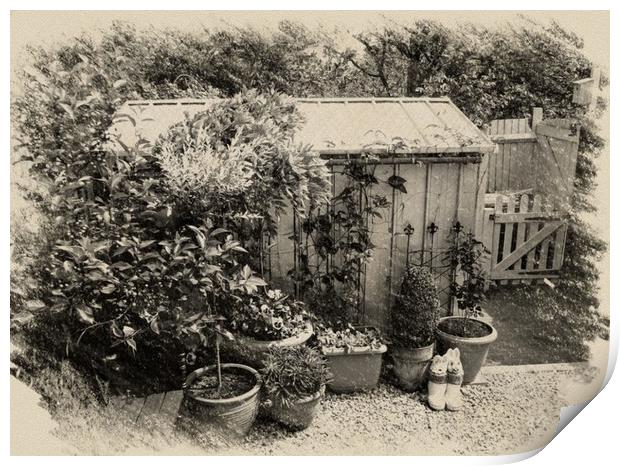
<point>340,125</point>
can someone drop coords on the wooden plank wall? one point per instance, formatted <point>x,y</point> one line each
<point>510,166</point>
<point>439,193</point>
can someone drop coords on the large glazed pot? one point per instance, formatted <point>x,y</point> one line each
<point>353,370</point>
<point>254,351</point>
<point>297,415</point>
<point>411,365</point>
<point>235,415</point>
<point>473,350</point>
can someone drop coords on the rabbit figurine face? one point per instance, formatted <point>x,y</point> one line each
<point>439,365</point>
<point>454,361</point>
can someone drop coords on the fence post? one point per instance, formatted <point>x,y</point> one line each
<point>537,117</point>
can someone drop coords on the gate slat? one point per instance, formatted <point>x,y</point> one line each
<point>544,252</point>
<point>499,200</point>
<point>508,229</point>
<point>524,204</point>
<point>532,230</point>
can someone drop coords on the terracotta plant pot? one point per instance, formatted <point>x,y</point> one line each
<point>253,351</point>
<point>355,370</point>
<point>473,350</point>
<point>235,415</point>
<point>295,416</point>
<point>411,365</point>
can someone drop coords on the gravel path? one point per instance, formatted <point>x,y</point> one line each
<point>514,411</point>
<point>511,413</point>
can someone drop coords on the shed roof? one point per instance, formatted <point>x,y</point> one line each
<point>339,125</point>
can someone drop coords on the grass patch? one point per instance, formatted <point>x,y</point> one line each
<point>525,335</point>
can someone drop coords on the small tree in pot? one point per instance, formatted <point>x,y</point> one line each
<point>466,332</point>
<point>414,321</point>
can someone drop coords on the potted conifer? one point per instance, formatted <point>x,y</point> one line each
<point>414,321</point>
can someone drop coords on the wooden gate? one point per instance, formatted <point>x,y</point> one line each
<point>541,159</point>
<point>527,239</point>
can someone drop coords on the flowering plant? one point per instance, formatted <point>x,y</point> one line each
<point>271,315</point>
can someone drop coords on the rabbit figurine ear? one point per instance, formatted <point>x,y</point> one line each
<point>457,353</point>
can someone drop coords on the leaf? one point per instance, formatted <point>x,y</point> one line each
<point>119,83</point>
<point>132,344</point>
<point>219,231</point>
<point>398,183</point>
<point>108,289</point>
<point>68,109</point>
<point>35,305</point>
<point>116,330</point>
<point>256,281</point>
<point>85,313</point>
<point>155,325</point>
<point>128,331</point>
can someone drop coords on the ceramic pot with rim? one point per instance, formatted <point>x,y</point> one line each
<point>411,365</point>
<point>253,351</point>
<point>474,350</point>
<point>235,415</point>
<point>296,415</point>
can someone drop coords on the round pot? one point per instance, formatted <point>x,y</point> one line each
<point>473,350</point>
<point>235,414</point>
<point>411,365</point>
<point>297,415</point>
<point>357,369</point>
<point>254,351</point>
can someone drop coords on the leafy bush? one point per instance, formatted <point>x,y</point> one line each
<point>238,157</point>
<point>416,311</point>
<point>292,374</point>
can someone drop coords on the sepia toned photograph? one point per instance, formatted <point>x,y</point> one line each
<point>312,233</point>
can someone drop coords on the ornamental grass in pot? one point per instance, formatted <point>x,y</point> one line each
<point>414,320</point>
<point>294,383</point>
<point>467,332</point>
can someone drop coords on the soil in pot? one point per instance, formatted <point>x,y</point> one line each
<point>465,328</point>
<point>233,384</point>
<point>232,410</point>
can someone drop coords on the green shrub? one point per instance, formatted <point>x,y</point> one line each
<point>416,311</point>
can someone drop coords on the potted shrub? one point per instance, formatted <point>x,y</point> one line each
<point>414,321</point>
<point>354,356</point>
<point>294,383</point>
<point>466,332</point>
<point>266,320</point>
<point>222,395</point>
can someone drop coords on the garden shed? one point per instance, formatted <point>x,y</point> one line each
<point>437,154</point>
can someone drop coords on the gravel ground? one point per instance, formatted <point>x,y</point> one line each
<point>510,414</point>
